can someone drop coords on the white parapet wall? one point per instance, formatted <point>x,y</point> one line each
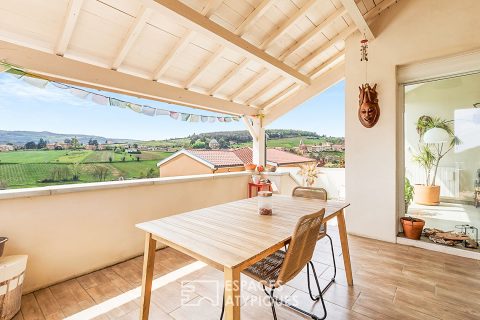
<point>72,230</point>
<point>331,179</point>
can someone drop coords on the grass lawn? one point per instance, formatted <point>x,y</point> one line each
<point>40,156</point>
<point>135,169</point>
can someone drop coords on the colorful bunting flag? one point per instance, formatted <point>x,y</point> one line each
<point>104,100</point>
<point>174,115</point>
<point>99,99</point>
<point>36,82</point>
<point>149,111</point>
<point>82,94</point>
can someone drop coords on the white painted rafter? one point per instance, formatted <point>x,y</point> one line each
<point>314,32</point>
<point>263,91</point>
<point>280,96</point>
<point>211,7</point>
<point>305,93</point>
<point>201,70</point>
<point>254,16</point>
<point>131,36</point>
<point>249,83</point>
<point>168,59</point>
<point>77,73</point>
<point>339,37</point>
<point>229,76</point>
<point>358,18</point>
<point>69,23</point>
<point>288,24</point>
<point>336,58</point>
<point>193,20</point>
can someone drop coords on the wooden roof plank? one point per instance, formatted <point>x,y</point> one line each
<point>287,24</point>
<point>195,21</point>
<point>322,83</point>
<point>260,93</point>
<point>254,16</point>
<point>70,71</point>
<point>358,18</point>
<point>132,35</point>
<point>339,37</point>
<point>167,61</point>
<point>71,17</point>
<point>201,70</point>
<point>280,96</point>
<point>305,38</point>
<point>249,83</point>
<point>211,7</point>
<point>229,76</point>
<point>336,57</point>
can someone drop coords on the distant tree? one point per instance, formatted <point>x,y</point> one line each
<point>110,159</point>
<point>223,143</point>
<point>100,173</point>
<point>41,144</point>
<point>58,148</point>
<point>75,143</point>
<point>138,158</point>
<point>60,173</point>
<point>67,141</point>
<point>76,171</point>
<point>135,145</point>
<point>30,145</point>
<point>123,159</point>
<point>152,173</point>
<point>3,185</point>
<point>199,144</point>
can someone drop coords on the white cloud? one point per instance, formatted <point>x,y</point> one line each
<point>11,88</point>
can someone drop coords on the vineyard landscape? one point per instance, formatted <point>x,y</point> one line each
<point>57,159</point>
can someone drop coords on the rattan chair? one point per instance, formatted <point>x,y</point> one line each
<point>321,194</point>
<point>280,267</point>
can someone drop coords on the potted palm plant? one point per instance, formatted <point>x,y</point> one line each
<point>436,140</point>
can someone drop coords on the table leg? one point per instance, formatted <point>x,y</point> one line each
<point>232,294</point>
<point>147,277</point>
<point>345,251</point>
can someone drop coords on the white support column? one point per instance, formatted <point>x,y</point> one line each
<point>257,131</point>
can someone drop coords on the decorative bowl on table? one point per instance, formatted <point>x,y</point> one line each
<point>250,166</point>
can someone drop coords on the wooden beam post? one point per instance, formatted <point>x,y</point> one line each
<point>73,10</point>
<point>358,18</point>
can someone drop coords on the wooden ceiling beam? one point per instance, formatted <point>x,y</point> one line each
<point>229,76</point>
<point>131,36</point>
<point>328,63</point>
<point>280,96</point>
<point>168,59</point>
<point>73,72</point>
<point>358,18</point>
<point>254,16</point>
<point>305,93</point>
<point>211,7</point>
<point>314,32</point>
<point>339,37</point>
<point>287,24</point>
<point>249,83</point>
<point>204,66</point>
<point>193,20</point>
<point>69,23</point>
<point>262,92</point>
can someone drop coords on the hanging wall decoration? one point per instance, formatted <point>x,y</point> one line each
<point>104,100</point>
<point>368,108</point>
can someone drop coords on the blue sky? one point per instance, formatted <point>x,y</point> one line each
<point>25,107</point>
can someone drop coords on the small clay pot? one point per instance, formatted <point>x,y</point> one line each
<point>427,195</point>
<point>412,227</point>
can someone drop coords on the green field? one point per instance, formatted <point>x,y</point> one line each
<point>24,169</point>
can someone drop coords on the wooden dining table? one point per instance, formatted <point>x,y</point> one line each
<point>233,236</point>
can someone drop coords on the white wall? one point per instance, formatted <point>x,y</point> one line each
<point>331,179</point>
<point>410,31</point>
<point>71,230</point>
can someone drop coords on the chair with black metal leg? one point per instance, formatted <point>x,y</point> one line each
<point>321,194</point>
<point>280,267</point>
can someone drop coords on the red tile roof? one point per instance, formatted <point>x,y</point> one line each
<point>218,158</point>
<point>239,157</point>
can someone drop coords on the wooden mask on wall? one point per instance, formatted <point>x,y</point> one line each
<point>368,111</point>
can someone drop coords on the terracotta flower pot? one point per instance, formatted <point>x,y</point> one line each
<point>427,195</point>
<point>250,166</point>
<point>412,227</point>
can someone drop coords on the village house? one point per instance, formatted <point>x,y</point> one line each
<point>193,162</point>
<point>6,147</point>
